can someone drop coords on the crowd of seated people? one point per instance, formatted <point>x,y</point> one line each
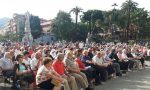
<point>69,66</point>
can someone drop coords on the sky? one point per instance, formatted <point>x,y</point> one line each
<point>48,9</point>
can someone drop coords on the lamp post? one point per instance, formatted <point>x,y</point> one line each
<point>128,19</point>
<point>114,5</point>
<point>91,29</point>
<point>113,26</point>
<point>18,36</point>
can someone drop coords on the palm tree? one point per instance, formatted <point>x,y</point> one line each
<point>76,11</point>
<point>128,7</point>
<point>114,5</point>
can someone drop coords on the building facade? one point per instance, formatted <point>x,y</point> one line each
<point>16,25</point>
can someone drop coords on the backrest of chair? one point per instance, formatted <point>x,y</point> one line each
<point>1,74</point>
<point>0,71</point>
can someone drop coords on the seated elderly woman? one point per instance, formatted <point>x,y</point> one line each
<point>87,70</point>
<point>59,67</point>
<point>46,76</point>
<point>22,72</point>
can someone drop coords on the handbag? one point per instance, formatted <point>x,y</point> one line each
<point>31,74</point>
<point>55,82</point>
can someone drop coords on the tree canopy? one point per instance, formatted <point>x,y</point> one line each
<point>76,11</point>
<point>36,29</point>
<point>62,26</point>
<point>130,18</point>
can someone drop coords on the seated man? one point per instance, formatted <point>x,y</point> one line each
<point>100,65</point>
<point>123,61</point>
<point>47,54</point>
<point>111,61</point>
<point>100,72</point>
<point>7,66</point>
<point>140,56</point>
<point>87,70</point>
<point>134,58</point>
<point>127,59</point>
<point>74,70</point>
<point>36,62</point>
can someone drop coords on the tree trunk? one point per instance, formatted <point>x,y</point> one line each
<point>76,21</point>
<point>128,23</point>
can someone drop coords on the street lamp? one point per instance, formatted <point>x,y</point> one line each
<point>18,36</point>
<point>114,5</point>
<point>91,23</point>
<point>113,26</point>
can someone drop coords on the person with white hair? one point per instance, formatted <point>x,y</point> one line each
<point>111,61</point>
<point>53,53</point>
<point>148,53</point>
<point>26,59</point>
<point>36,62</point>
<point>59,67</point>
<point>47,78</point>
<point>123,60</point>
<point>74,70</point>
<point>6,65</point>
<point>1,52</point>
<point>101,66</point>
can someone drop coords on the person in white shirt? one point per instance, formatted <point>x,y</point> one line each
<point>74,70</point>
<point>111,61</point>
<point>17,51</point>
<point>148,53</point>
<point>103,68</point>
<point>26,59</point>
<point>123,60</point>
<point>7,65</point>
<point>45,75</point>
<point>36,61</point>
<point>53,53</point>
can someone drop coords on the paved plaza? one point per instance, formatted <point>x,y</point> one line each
<point>137,80</point>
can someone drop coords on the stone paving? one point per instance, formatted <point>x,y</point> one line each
<point>137,80</point>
